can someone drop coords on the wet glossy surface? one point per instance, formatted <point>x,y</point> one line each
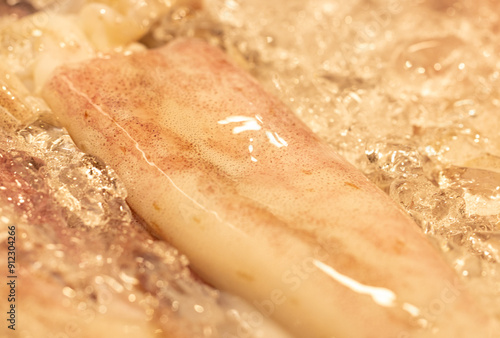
<point>260,205</point>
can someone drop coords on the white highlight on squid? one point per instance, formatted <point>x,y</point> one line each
<point>381,296</point>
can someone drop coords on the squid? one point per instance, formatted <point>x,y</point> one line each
<point>56,232</point>
<point>259,204</point>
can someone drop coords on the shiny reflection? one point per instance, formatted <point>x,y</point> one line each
<point>253,123</point>
<point>276,140</point>
<point>381,296</point>
<point>249,123</point>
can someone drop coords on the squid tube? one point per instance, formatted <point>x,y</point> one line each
<point>260,205</point>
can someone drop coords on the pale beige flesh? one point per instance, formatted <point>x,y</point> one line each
<point>258,203</point>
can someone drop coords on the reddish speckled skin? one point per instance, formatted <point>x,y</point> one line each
<point>160,119</point>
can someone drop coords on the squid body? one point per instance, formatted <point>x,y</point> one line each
<point>260,205</point>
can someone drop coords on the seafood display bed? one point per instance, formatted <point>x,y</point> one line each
<point>407,92</point>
